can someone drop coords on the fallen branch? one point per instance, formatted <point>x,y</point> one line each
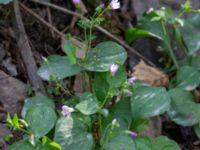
<point>97,27</point>
<point>62,35</point>
<point>26,53</point>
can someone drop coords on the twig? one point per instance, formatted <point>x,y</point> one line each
<point>50,20</point>
<point>98,27</point>
<point>75,41</point>
<point>27,54</point>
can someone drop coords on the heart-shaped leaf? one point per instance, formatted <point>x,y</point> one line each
<point>191,33</point>
<point>143,143</point>
<point>5,1</point>
<point>103,55</point>
<point>70,50</point>
<point>149,101</point>
<point>121,142</point>
<point>188,78</point>
<point>24,145</point>
<point>41,120</point>
<point>59,67</point>
<point>183,110</point>
<point>36,101</point>
<point>72,134</point>
<point>163,143</point>
<point>88,105</point>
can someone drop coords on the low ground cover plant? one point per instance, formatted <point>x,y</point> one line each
<point>115,111</point>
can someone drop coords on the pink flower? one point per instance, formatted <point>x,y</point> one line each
<point>76,2</point>
<point>66,111</point>
<point>113,69</point>
<point>130,94</point>
<point>133,134</point>
<point>114,4</point>
<point>131,80</point>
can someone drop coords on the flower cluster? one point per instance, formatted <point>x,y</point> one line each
<point>66,111</point>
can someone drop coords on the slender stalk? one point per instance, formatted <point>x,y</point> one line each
<point>168,46</point>
<point>83,82</point>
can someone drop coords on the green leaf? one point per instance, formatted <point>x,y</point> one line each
<point>103,55</point>
<point>188,78</point>
<point>139,125</point>
<point>191,33</point>
<point>23,145</point>
<point>149,101</point>
<point>70,50</point>
<point>72,134</point>
<point>101,85</point>
<point>183,110</point>
<point>5,1</point>
<point>36,101</point>
<point>121,112</point>
<point>163,143</point>
<point>41,120</point>
<point>118,79</point>
<point>149,25</point>
<point>49,144</point>
<point>59,67</point>
<point>197,130</point>
<point>134,33</point>
<point>121,141</point>
<point>88,105</point>
<point>143,143</point>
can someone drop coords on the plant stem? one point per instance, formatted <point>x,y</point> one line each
<point>90,81</point>
<point>168,46</point>
<point>83,82</point>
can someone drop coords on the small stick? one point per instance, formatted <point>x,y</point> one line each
<point>50,20</point>
<point>26,53</point>
<point>98,27</point>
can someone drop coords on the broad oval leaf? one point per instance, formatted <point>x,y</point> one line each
<point>70,50</point>
<point>72,134</point>
<point>143,143</point>
<point>164,143</point>
<point>183,110</point>
<point>188,78</point>
<point>59,67</point>
<point>88,105</point>
<point>5,1</point>
<point>103,55</point>
<point>41,120</point>
<point>197,130</point>
<point>149,101</point>
<point>23,145</point>
<point>191,33</point>
<point>36,101</point>
<point>121,141</point>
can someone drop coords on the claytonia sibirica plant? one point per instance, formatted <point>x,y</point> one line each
<point>112,111</point>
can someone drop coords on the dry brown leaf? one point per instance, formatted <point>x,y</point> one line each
<point>150,75</point>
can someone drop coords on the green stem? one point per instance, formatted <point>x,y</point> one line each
<point>83,81</point>
<point>168,46</point>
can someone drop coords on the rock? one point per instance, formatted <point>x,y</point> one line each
<point>12,93</point>
<point>10,67</point>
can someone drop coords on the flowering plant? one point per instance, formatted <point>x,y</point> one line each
<point>111,114</point>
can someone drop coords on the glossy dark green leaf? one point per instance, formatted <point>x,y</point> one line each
<point>23,145</point>
<point>103,55</point>
<point>118,79</point>
<point>149,101</point>
<point>70,50</point>
<point>88,105</point>
<point>163,143</point>
<point>139,125</point>
<point>134,33</point>
<point>143,143</point>
<point>183,110</point>
<point>121,111</point>
<point>72,134</point>
<point>191,33</point>
<point>36,101</point>
<point>59,67</point>
<point>121,142</point>
<point>149,25</point>
<point>197,130</point>
<point>5,1</point>
<point>101,85</point>
<point>188,78</point>
<point>41,120</point>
